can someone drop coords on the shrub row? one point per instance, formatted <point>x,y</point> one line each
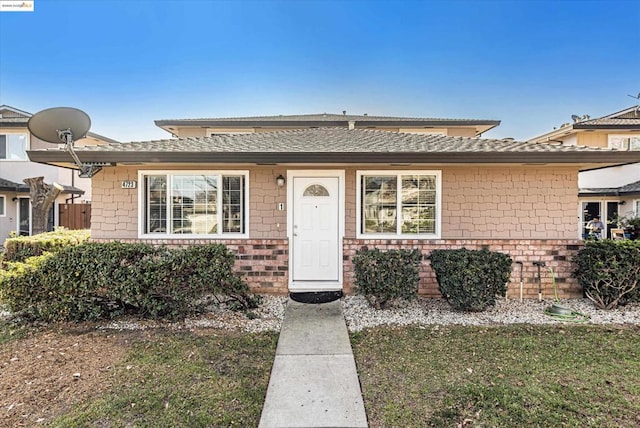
<point>609,272</point>
<point>469,280</point>
<point>104,280</point>
<point>19,248</point>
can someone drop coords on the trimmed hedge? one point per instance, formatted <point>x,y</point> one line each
<point>471,280</point>
<point>382,276</point>
<point>104,280</point>
<point>609,272</point>
<point>19,248</point>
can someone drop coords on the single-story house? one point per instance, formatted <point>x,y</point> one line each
<point>295,197</point>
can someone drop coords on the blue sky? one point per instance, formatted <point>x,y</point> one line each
<point>531,64</point>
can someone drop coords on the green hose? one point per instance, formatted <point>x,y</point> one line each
<point>560,312</point>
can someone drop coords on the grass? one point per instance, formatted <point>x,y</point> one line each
<point>180,379</point>
<point>507,376</point>
<point>10,331</point>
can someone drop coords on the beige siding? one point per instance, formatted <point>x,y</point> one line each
<point>461,132</point>
<point>477,202</point>
<point>190,132</point>
<point>509,203</point>
<point>114,211</point>
<point>593,139</point>
<point>264,195</point>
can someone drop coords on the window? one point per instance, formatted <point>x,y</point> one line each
<point>316,190</point>
<point>194,203</point>
<point>13,147</point>
<point>399,203</point>
<point>624,142</point>
<point>3,206</point>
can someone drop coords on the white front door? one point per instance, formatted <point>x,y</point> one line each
<point>316,254</point>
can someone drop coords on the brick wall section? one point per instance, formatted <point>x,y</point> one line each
<point>264,263</point>
<point>557,254</point>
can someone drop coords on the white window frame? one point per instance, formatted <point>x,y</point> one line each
<point>398,234</point>
<point>27,147</point>
<point>626,141</point>
<point>636,207</point>
<point>3,206</point>
<point>186,236</point>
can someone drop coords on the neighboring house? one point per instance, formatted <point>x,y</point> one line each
<point>296,196</point>
<point>15,207</point>
<point>607,192</point>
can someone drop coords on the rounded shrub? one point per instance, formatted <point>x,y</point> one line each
<point>471,280</point>
<point>609,272</point>
<point>382,276</point>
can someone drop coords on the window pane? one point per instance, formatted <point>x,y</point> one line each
<point>13,146</point>
<point>316,190</point>
<point>418,204</point>
<point>194,204</point>
<point>233,204</point>
<point>379,204</point>
<point>3,202</point>
<point>156,204</point>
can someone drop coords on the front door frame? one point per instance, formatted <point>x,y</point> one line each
<point>301,286</point>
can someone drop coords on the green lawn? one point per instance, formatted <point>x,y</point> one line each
<point>506,376</point>
<point>180,379</point>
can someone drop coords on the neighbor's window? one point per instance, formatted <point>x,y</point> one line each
<point>399,203</point>
<point>13,147</point>
<point>624,142</point>
<point>186,203</point>
<point>3,206</point>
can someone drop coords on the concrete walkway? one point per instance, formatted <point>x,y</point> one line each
<point>313,381</point>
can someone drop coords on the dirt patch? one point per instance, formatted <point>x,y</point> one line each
<point>43,375</point>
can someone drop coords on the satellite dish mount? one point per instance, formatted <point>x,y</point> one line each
<point>60,125</point>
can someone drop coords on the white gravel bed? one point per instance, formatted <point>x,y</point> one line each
<point>360,315</point>
<point>422,311</point>
<point>267,317</point>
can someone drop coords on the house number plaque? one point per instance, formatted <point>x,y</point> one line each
<point>130,184</point>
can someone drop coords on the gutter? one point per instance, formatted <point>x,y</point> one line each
<point>110,157</point>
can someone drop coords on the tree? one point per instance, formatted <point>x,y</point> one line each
<point>42,197</point>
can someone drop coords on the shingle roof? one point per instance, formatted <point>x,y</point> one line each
<point>10,186</point>
<point>608,122</point>
<point>335,140</point>
<point>627,189</point>
<point>336,145</point>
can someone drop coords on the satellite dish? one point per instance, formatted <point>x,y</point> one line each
<point>56,125</point>
<point>63,125</point>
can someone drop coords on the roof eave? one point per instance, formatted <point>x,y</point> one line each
<point>363,123</point>
<point>13,124</point>
<point>597,157</point>
<point>605,126</point>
